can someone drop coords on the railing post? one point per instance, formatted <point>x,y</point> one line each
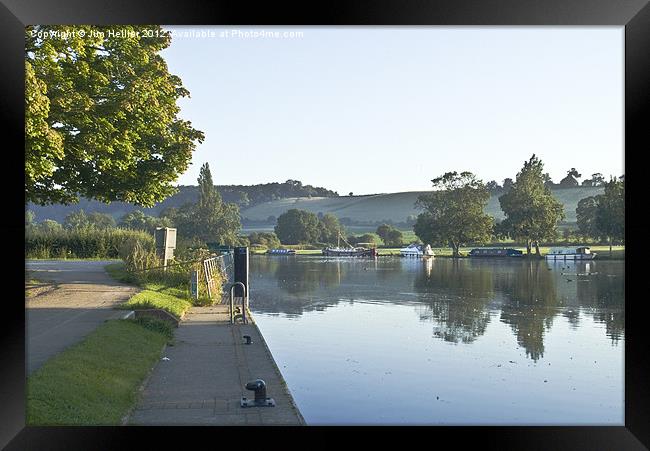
<point>232,302</point>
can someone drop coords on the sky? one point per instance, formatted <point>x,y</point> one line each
<point>386,109</point>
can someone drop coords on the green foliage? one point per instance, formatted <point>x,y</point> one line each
<point>586,216</point>
<point>596,179</point>
<point>138,254</point>
<point>610,214</point>
<point>390,235</point>
<point>266,239</point>
<point>298,227</point>
<point>210,219</point>
<point>330,229</point>
<point>101,116</point>
<point>101,220</point>
<point>137,220</point>
<point>49,226</point>
<point>454,212</point>
<point>369,238</point>
<point>80,243</point>
<point>76,220</point>
<point>532,213</point>
<point>94,382</point>
<point>29,218</point>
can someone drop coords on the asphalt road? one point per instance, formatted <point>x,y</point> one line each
<point>82,298</point>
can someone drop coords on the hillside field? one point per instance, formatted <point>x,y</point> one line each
<point>395,206</point>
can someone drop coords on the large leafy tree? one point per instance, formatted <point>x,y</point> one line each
<point>210,219</point>
<point>298,227</point>
<point>390,235</point>
<point>137,220</point>
<point>610,214</point>
<point>586,216</point>
<point>101,119</point>
<point>454,212</point>
<point>330,228</point>
<point>531,212</point>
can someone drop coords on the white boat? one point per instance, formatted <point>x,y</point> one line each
<point>570,253</point>
<point>416,250</point>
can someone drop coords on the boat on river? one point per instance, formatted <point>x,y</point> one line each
<point>349,251</point>
<point>495,252</point>
<point>416,250</point>
<point>281,252</point>
<point>570,253</point>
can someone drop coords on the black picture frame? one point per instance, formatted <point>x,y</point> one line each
<point>634,15</point>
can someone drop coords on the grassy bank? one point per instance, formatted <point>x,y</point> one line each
<point>95,382</point>
<point>156,294</point>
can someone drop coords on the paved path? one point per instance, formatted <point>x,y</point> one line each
<point>204,379</point>
<point>82,298</point>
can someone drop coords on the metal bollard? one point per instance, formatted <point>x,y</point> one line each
<point>259,387</point>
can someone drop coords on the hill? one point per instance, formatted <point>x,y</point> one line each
<point>392,207</point>
<point>242,195</point>
<point>395,207</point>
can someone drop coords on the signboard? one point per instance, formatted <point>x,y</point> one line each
<point>165,238</point>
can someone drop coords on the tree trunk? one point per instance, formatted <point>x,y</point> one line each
<point>454,248</point>
<point>527,247</point>
<point>610,247</point>
<point>537,248</point>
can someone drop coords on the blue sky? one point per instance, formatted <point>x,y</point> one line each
<point>386,109</point>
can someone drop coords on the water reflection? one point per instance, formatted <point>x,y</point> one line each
<point>460,297</point>
<point>456,299</point>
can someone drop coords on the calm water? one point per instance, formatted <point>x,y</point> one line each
<point>410,341</point>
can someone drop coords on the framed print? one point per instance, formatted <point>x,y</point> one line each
<point>359,217</point>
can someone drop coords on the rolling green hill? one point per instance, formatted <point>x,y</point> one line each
<point>395,206</point>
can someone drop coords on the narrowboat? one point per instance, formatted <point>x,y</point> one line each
<point>495,252</point>
<point>570,253</point>
<point>281,252</point>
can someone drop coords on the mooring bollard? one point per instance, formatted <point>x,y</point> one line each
<point>259,387</point>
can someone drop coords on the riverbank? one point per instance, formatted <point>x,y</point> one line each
<point>602,252</point>
<point>194,385</point>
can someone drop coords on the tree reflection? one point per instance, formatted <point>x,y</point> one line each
<point>458,296</point>
<point>604,294</point>
<point>532,302</point>
<point>459,308</point>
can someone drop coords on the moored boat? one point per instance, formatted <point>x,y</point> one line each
<point>416,250</point>
<point>281,252</point>
<point>349,252</point>
<point>570,253</point>
<point>495,252</point>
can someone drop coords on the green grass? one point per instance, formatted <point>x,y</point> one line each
<point>148,299</point>
<point>155,294</point>
<point>95,382</point>
<point>118,272</point>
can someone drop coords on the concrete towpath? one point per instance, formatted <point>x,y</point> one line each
<point>204,379</point>
<point>80,297</point>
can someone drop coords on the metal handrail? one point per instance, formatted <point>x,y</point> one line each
<point>232,302</point>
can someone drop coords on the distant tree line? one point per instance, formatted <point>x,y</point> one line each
<point>453,213</point>
<point>207,220</point>
<point>570,181</point>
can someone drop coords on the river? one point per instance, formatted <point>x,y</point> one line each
<point>443,341</point>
